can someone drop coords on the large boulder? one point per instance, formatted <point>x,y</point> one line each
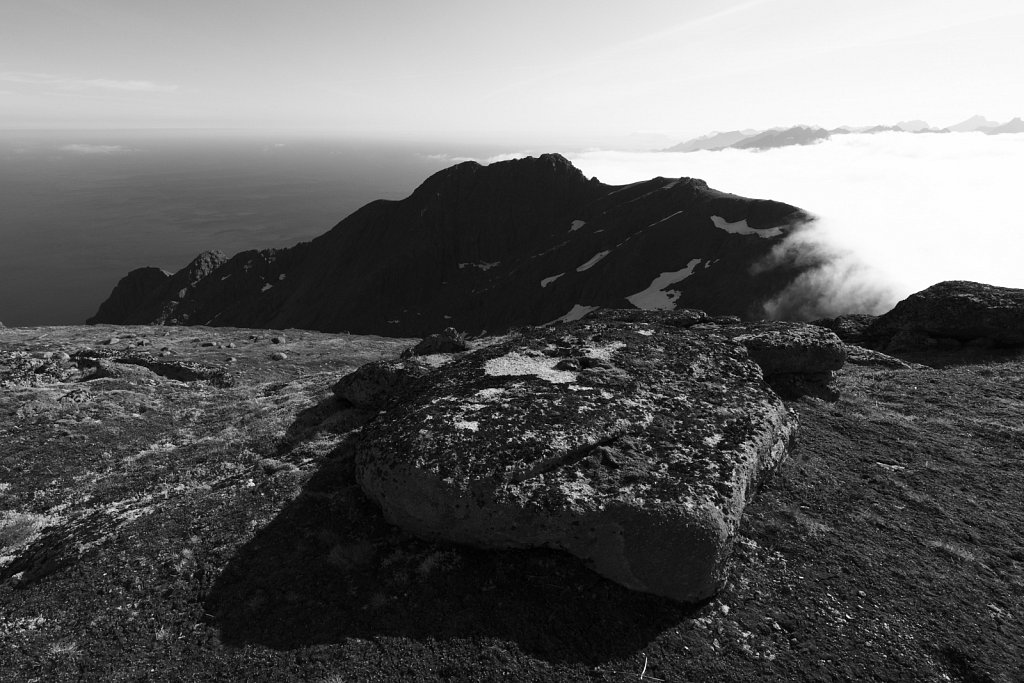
<point>632,444</point>
<point>949,314</point>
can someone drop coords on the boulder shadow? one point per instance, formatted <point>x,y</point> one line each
<point>330,568</point>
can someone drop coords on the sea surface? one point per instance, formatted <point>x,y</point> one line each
<point>80,209</point>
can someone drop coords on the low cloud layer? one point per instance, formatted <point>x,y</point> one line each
<point>70,83</point>
<point>84,148</point>
<point>896,212</point>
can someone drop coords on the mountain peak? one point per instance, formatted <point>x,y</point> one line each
<point>976,122</point>
<point>543,167</point>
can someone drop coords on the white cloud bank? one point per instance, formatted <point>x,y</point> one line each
<point>69,83</point>
<point>897,212</point>
<point>83,148</point>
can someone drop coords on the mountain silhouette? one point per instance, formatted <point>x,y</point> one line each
<point>479,248</point>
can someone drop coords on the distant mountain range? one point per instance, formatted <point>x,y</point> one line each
<point>807,135</point>
<point>488,248</point>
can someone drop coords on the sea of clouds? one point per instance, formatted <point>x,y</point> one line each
<point>896,212</point>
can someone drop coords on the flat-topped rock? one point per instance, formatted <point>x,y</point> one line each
<point>785,347</point>
<point>632,444</point>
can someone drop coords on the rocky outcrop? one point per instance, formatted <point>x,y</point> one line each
<point>949,315</point>
<point>137,296</point>
<point>629,439</point>
<point>99,364</point>
<point>150,294</point>
<point>488,248</point>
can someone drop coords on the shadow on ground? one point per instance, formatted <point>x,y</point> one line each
<point>329,568</point>
<point>939,359</point>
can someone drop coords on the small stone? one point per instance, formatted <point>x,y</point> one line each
<point>230,345</point>
<point>164,354</point>
<point>273,466</point>
<point>208,343</point>
<point>112,340</point>
<point>278,355</point>
<point>278,339</point>
<point>232,359</point>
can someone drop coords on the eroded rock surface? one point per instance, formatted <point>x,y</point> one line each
<point>626,440</point>
<point>796,358</point>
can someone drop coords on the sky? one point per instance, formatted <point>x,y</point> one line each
<point>571,72</point>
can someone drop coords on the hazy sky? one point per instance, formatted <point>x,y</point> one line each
<point>530,71</point>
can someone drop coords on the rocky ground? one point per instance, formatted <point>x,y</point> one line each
<point>167,513</point>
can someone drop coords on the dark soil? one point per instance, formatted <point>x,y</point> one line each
<point>153,529</point>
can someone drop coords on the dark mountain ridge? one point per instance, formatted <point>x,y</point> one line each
<point>480,248</point>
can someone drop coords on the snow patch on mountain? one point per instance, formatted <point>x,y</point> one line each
<point>655,298</point>
<point>548,280</point>
<point>575,313</point>
<point>671,215</point>
<point>741,228</point>
<point>590,264</point>
<point>482,265</point>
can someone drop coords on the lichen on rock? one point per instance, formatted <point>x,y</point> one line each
<point>627,441</point>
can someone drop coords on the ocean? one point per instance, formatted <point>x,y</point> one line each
<point>80,209</point>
